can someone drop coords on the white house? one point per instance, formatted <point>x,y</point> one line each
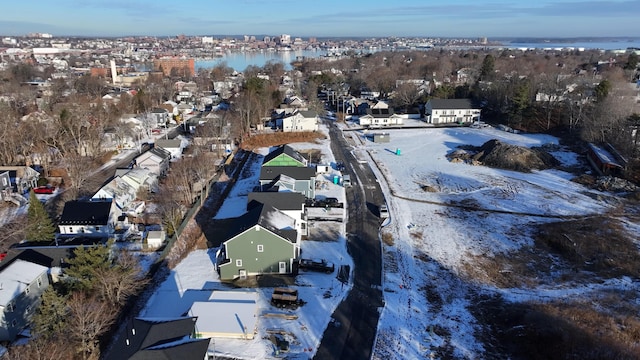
<point>446,111</point>
<point>88,218</point>
<point>155,160</point>
<point>173,146</point>
<point>299,121</point>
<point>380,117</point>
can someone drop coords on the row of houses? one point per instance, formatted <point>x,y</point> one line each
<point>436,112</point>
<point>266,239</point>
<point>25,273</point>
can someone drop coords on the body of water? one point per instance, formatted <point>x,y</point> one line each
<point>587,45</point>
<point>239,61</point>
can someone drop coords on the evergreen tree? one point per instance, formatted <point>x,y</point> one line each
<point>488,67</point>
<point>50,319</point>
<point>40,227</point>
<point>87,261</point>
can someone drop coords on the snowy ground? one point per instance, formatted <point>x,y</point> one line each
<point>427,300</point>
<point>195,277</point>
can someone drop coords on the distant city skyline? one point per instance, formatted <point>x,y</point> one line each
<point>328,18</point>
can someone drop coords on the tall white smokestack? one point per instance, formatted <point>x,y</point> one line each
<point>114,73</point>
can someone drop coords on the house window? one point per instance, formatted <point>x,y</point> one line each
<point>27,290</point>
<point>260,248</point>
<point>14,323</point>
<point>239,262</point>
<point>39,282</point>
<point>97,228</point>
<point>70,229</point>
<point>28,309</point>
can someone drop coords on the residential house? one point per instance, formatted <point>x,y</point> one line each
<point>88,218</point>
<point>447,111</point>
<point>21,285</point>
<point>284,155</point>
<point>173,146</point>
<point>119,191</point>
<point>155,160</point>
<point>22,178</point>
<point>166,339</point>
<point>290,203</point>
<point>262,241</point>
<point>297,179</point>
<point>380,117</point>
<point>227,314</point>
<point>139,178</point>
<point>298,121</point>
<point>161,117</point>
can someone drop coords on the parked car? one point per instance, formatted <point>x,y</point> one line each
<point>44,189</point>
<point>320,265</point>
<point>384,212</point>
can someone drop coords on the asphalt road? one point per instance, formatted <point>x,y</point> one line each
<point>352,332</point>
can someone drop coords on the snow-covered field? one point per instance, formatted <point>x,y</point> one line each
<point>427,297</point>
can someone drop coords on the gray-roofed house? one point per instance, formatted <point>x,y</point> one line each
<point>173,146</point>
<point>263,241</point>
<point>290,203</point>
<point>22,178</point>
<point>447,111</point>
<point>297,179</point>
<point>284,155</point>
<point>166,339</point>
<point>155,160</point>
<point>21,285</point>
<point>87,218</point>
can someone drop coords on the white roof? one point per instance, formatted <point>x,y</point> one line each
<point>231,313</point>
<point>15,278</point>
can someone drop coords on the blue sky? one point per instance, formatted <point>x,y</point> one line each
<point>303,18</point>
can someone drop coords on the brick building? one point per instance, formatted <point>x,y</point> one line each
<point>176,65</point>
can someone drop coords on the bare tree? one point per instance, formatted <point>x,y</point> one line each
<point>117,283</point>
<point>40,348</point>
<point>170,206</point>
<point>406,95</point>
<point>88,319</point>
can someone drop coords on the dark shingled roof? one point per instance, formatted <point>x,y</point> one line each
<point>86,213</point>
<point>299,173</point>
<point>150,339</point>
<point>259,215</point>
<point>279,200</point>
<point>451,104</point>
<point>284,149</point>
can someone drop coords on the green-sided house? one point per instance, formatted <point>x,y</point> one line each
<point>264,241</point>
<point>284,155</point>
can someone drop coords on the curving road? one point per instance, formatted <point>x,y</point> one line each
<point>352,333</point>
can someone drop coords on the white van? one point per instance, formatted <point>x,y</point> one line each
<point>346,181</point>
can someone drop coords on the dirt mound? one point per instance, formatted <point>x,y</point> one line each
<point>495,153</point>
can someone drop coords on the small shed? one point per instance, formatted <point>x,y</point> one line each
<point>606,161</point>
<point>380,137</point>
<point>155,239</point>
<point>323,168</point>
